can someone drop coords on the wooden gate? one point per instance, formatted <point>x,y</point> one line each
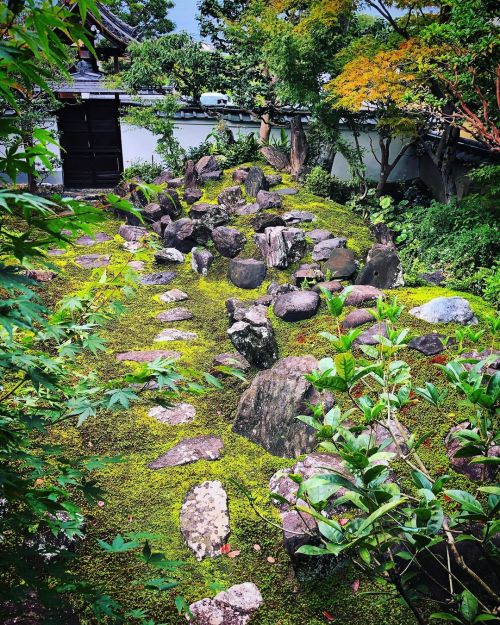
<point>91,144</point>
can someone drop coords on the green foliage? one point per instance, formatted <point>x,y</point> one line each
<point>320,182</point>
<point>150,17</point>
<point>144,170</point>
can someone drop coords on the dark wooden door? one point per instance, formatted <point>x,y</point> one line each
<point>91,144</point>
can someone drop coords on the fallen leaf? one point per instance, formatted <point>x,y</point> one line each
<point>355,586</point>
<point>328,616</point>
<point>225,548</point>
<point>233,554</point>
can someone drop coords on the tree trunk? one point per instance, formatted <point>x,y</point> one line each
<point>32,180</point>
<point>446,162</point>
<point>385,168</point>
<point>299,151</point>
<point>265,128</point>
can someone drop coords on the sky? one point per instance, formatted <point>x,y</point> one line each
<point>184,16</point>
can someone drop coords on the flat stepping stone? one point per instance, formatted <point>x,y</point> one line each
<point>147,356</point>
<point>429,344</point>
<point>137,265</point>
<point>357,318</point>
<point>446,310</point>
<point>176,314</point>
<point>176,335</point>
<point>368,337</point>
<point>188,451</point>
<point>159,279</point>
<point>363,295</point>
<point>204,519</point>
<point>92,261</point>
<point>174,415</point>
<point>98,237</point>
<point>234,606</point>
<point>175,295</point>
<point>298,217</point>
<point>56,252</point>
<point>287,191</point>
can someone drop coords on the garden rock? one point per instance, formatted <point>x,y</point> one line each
<point>437,278</point>
<point>256,343</point>
<point>137,265</point>
<point>164,177</point>
<point>158,279</point>
<point>56,252</point>
<point>240,175</point>
<point>255,182</point>
<point>492,368</point>
<point>268,199</point>
<point>174,415</point>
<point>266,220</point>
<point>185,234</point>
<point>288,191</point>
<point>235,606</point>
<point>147,356</point>
<point>341,264</point>
<point>274,179</point>
<point>201,260</point>
<point>191,178</point>
<point>210,215</point>
<point>311,273</point>
<point>248,209</point>
<point>281,247</point>
<point>92,261</point>
<point>276,158</point>
<point>152,212</point>
<point>268,409</point>
<point>368,337</point>
<point>132,233</point>
<point>175,183</point>
<point>234,360</point>
<point>160,226</point>
<point>176,335</point>
<point>206,165</point>
<point>170,204</point>
<point>205,519</point>
<point>192,195</point>
<point>298,217</point>
<point>429,344</point>
<point>169,255</point>
<point>446,310</point>
<point>175,295</point>
<point>45,275</point>
<point>398,434</point>
<point>247,273</point>
<point>363,295</point>
<point>383,268</point>
<point>188,451</point>
<point>175,314</point>
<point>464,465</point>
<point>228,241</point>
<point>231,199</point>
<point>275,289</point>
<point>296,306</point>
<point>98,237</point>
<point>323,249</point>
<point>334,286</point>
<point>357,318</point>
<point>317,235</point>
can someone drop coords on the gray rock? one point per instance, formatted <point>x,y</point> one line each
<point>158,279</point>
<point>175,183</point>
<point>266,220</point>
<point>437,278</point>
<point>240,175</point>
<point>268,199</point>
<point>235,606</point>
<point>45,275</point>
<point>280,247</point>
<point>464,465</point>
<point>137,265</point>
<point>368,337</point>
<point>248,209</point>
<point>334,286</point>
<point>275,289</point>
<point>397,435</point>
<point>237,309</point>
<point>296,306</point>
<point>363,295</point>
<point>191,177</point>
<point>175,295</point>
<point>311,273</point>
<point>175,314</point>
<point>235,360</point>
<point>188,451</point>
<point>206,164</point>
<point>446,310</point>
<point>268,409</point>
<point>255,182</point>
<point>228,241</point>
<point>169,255</point>
<point>287,191</point>
<point>357,318</point>
<point>147,356</point>
<point>256,343</point>
<point>56,252</point>
<point>210,215</point>
<point>429,344</point>
<point>132,233</point>
<point>211,175</point>
<point>205,519</point>
<point>98,237</point>
<point>152,212</point>
<point>92,261</point>
<point>201,260</point>
<point>184,234</point>
<point>231,199</point>
<point>276,158</point>
<point>274,179</point>
<point>323,249</point>
<point>175,335</point>
<point>170,203</point>
<point>160,225</point>
<point>247,273</point>
<point>174,415</point>
<point>192,195</point>
<point>298,217</point>
<point>341,264</point>
<point>492,368</point>
<point>383,268</point>
<point>317,235</point>
<point>164,177</point>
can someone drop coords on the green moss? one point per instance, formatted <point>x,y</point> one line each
<point>138,499</point>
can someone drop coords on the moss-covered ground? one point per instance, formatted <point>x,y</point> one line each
<point>140,500</point>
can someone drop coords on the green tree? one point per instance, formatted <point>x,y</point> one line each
<point>150,17</point>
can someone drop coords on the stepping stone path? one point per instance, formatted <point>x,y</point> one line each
<point>429,344</point>
<point>158,279</point>
<point>205,519</point>
<point>174,415</point>
<point>92,261</point>
<point>175,295</point>
<point>176,314</point>
<point>188,451</point>
<point>175,335</point>
<point>446,310</point>
<point>147,356</point>
<point>235,606</point>
<point>87,240</point>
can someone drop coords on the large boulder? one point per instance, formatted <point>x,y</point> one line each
<point>201,260</point>
<point>184,234</point>
<point>267,220</point>
<point>132,233</point>
<point>192,195</point>
<point>363,295</point>
<point>228,241</point>
<point>247,273</point>
<point>324,249</point>
<point>383,268</point>
<point>205,519</point>
<point>280,247</point>
<point>191,177</point>
<point>231,200</point>
<point>256,181</point>
<point>268,409</point>
<point>255,341</point>
<point>341,264</point>
<point>296,306</point>
<point>235,606</point>
<point>210,215</point>
<point>446,310</point>
<point>206,165</point>
<point>268,199</point>
<point>170,204</point>
<point>276,158</point>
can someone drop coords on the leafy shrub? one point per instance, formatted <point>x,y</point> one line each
<point>143,170</point>
<point>321,183</point>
